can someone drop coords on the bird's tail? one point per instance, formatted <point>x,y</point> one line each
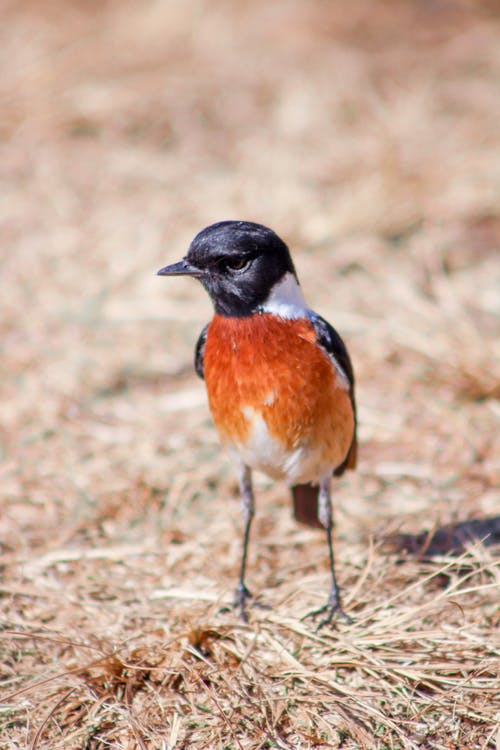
<point>305,504</point>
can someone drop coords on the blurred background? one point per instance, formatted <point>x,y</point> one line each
<point>366,134</point>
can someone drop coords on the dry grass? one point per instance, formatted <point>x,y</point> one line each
<point>366,134</point>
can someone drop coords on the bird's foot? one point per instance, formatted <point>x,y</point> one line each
<point>333,609</point>
<point>240,601</point>
<point>242,596</point>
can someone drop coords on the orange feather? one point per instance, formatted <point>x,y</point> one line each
<point>270,367</point>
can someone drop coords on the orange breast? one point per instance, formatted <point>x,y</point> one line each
<point>269,369</point>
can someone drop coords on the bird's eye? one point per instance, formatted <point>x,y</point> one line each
<point>237,264</point>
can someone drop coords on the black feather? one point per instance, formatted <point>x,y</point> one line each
<point>199,353</point>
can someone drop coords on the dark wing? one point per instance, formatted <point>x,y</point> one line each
<point>330,341</point>
<point>199,353</point>
<point>305,496</point>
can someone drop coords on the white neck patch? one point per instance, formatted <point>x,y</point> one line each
<point>286,299</point>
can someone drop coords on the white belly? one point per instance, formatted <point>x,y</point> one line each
<point>265,453</point>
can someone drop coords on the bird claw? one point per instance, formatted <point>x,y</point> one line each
<point>242,595</point>
<point>333,609</point>
<point>240,601</point>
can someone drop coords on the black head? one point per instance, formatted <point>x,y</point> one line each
<point>238,263</point>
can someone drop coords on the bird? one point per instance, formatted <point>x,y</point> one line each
<point>279,380</point>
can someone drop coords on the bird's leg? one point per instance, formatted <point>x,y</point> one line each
<point>248,508</point>
<point>333,606</point>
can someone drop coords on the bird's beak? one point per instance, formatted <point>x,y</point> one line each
<point>182,268</point>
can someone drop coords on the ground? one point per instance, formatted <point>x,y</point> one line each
<point>366,134</point>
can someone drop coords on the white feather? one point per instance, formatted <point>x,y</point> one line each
<point>266,454</point>
<point>286,299</point>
